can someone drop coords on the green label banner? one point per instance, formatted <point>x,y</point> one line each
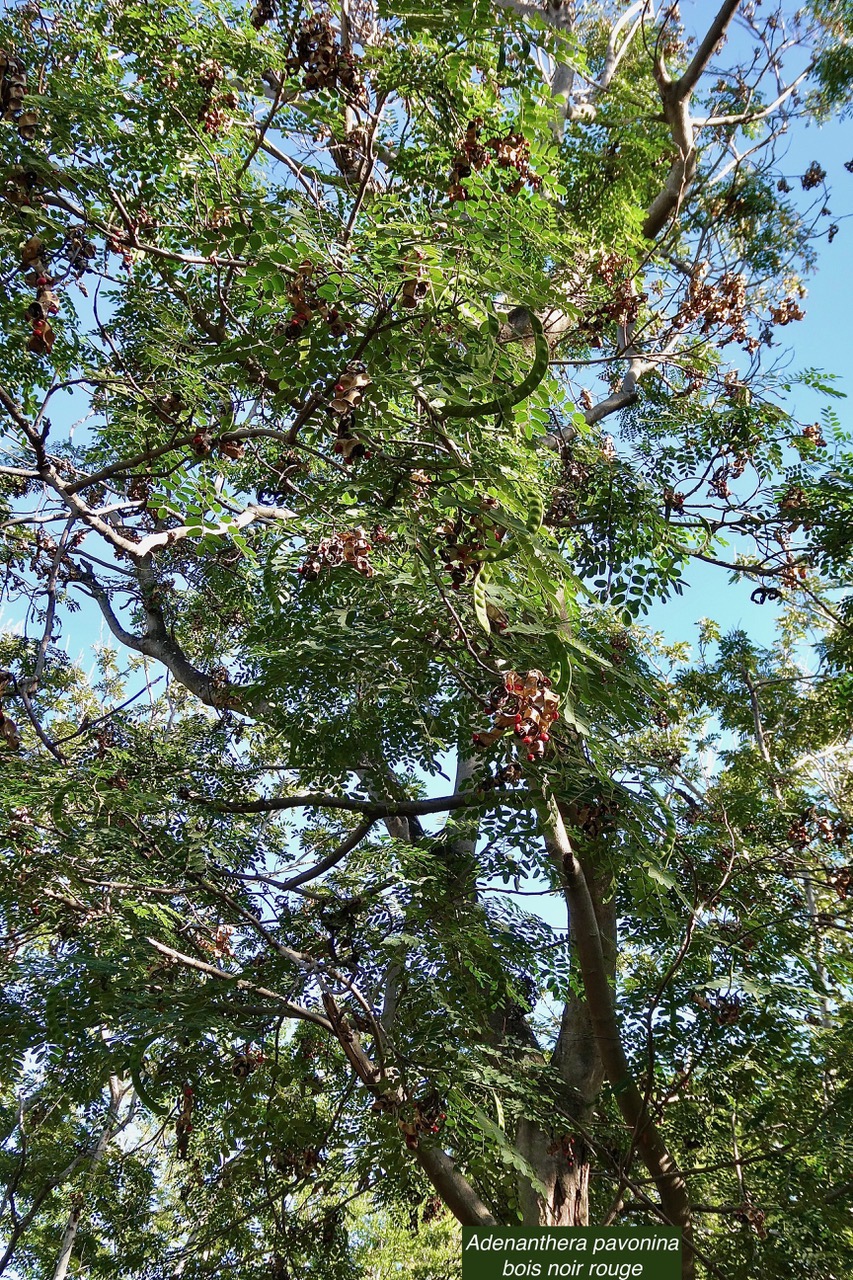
<point>571,1253</point>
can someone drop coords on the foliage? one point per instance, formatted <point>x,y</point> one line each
<point>315,323</point>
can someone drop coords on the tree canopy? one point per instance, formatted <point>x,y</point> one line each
<point>367,375</point>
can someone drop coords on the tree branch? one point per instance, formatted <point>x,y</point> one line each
<point>454,1188</point>
<point>375,808</point>
<point>614,55</point>
<point>159,645</point>
<point>675,99</point>
<point>293,1010</point>
<point>331,860</point>
<point>684,86</point>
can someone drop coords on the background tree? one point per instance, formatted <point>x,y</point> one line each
<point>301,318</point>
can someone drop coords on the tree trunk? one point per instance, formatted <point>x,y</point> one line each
<point>563,1169</point>
<point>68,1238</point>
<point>117,1094</point>
<point>560,1158</point>
<point>595,956</point>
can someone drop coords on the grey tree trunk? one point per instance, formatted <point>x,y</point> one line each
<point>560,1158</point>
<point>117,1094</point>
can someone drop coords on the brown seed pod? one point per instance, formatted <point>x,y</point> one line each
<point>41,339</point>
<point>232,449</point>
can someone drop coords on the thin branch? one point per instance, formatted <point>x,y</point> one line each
<point>332,859</point>
<point>750,117</point>
<point>293,1010</point>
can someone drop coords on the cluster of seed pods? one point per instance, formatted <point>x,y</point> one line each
<point>348,395</point>
<point>306,303</point>
<point>414,288</point>
<point>13,89</point>
<point>526,705</point>
<point>420,1119</point>
<point>465,539</point>
<point>511,152</point>
<point>46,304</point>
<point>319,56</point>
<point>352,548</point>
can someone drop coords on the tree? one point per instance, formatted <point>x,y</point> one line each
<point>301,408</point>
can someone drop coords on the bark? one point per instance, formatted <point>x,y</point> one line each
<point>561,1160</point>
<point>69,1235</point>
<point>680,178</point>
<point>117,1096</point>
<point>595,967</point>
<point>675,100</point>
<point>454,1189</point>
<point>566,1182</point>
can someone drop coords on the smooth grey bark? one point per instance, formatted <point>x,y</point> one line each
<point>66,1248</point>
<point>564,1170</point>
<point>594,966</point>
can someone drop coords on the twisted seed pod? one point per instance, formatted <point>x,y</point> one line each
<point>533,523</point>
<point>542,355</point>
<point>480,583</point>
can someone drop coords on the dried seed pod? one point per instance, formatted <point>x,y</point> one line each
<point>202,443</point>
<point>9,732</point>
<point>263,12</point>
<point>295,327</point>
<point>354,378</point>
<point>337,327</point>
<point>13,85</point>
<point>48,301</point>
<point>32,253</point>
<point>42,339</point>
<point>232,449</point>
<point>27,122</point>
<point>209,74</point>
<point>350,448</point>
<point>813,176</point>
